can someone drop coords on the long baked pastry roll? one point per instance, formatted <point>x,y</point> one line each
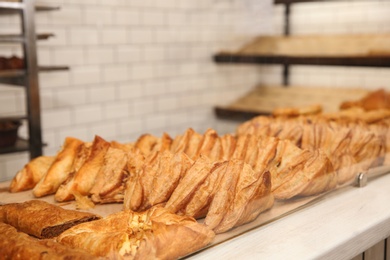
<point>30,175</point>
<point>42,219</point>
<point>60,169</point>
<point>19,245</point>
<point>152,234</point>
<point>83,180</point>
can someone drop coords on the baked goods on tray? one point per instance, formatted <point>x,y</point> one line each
<point>168,185</point>
<point>42,219</point>
<point>30,175</point>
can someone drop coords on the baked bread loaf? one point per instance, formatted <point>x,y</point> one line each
<point>152,234</point>
<point>18,245</point>
<point>42,219</point>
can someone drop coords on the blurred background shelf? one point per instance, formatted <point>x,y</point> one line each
<point>25,73</point>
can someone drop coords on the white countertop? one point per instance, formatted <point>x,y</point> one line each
<point>340,226</point>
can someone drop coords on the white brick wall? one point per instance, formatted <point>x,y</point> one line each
<point>142,66</point>
<point>137,66</point>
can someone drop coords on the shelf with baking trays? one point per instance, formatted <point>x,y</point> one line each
<point>21,145</point>
<point>264,99</point>
<point>353,61</point>
<point>363,50</point>
<point>18,6</point>
<point>294,1</point>
<point>15,77</point>
<point>15,38</point>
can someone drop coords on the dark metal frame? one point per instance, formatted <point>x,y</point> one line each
<point>27,77</point>
<point>31,79</point>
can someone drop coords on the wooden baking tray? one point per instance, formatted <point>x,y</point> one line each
<point>262,100</point>
<point>351,45</point>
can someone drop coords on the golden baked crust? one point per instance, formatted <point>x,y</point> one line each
<point>31,173</point>
<point>109,183</point>
<point>18,245</point>
<point>155,182</point>
<point>297,111</point>
<point>153,234</point>
<point>41,219</point>
<point>83,180</point>
<point>241,196</point>
<point>188,185</point>
<point>60,169</point>
<point>374,100</point>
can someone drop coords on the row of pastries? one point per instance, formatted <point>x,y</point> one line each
<point>211,182</point>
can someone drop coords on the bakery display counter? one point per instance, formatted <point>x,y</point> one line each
<point>340,226</point>
<point>222,187</point>
<point>262,100</point>
<point>336,225</point>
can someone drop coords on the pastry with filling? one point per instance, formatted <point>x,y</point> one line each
<point>110,181</point>
<point>152,234</point>
<point>156,181</point>
<point>190,183</point>
<point>42,219</point>
<point>83,180</point>
<point>241,196</point>
<point>19,245</point>
<point>60,169</point>
<point>31,174</point>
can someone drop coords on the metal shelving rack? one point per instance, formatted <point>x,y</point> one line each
<point>27,77</point>
<point>288,61</point>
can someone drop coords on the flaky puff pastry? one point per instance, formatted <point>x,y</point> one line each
<point>241,196</point>
<point>188,185</point>
<point>19,245</point>
<point>42,219</point>
<point>83,180</point>
<point>32,172</point>
<point>60,169</point>
<point>156,181</point>
<point>109,183</point>
<point>152,234</point>
<point>293,170</point>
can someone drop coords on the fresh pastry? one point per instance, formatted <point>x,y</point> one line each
<point>109,183</point>
<point>156,181</point>
<point>42,219</point>
<point>152,234</point>
<point>84,179</point>
<point>30,175</point>
<point>241,196</point>
<point>189,184</point>
<point>19,245</point>
<point>60,169</point>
